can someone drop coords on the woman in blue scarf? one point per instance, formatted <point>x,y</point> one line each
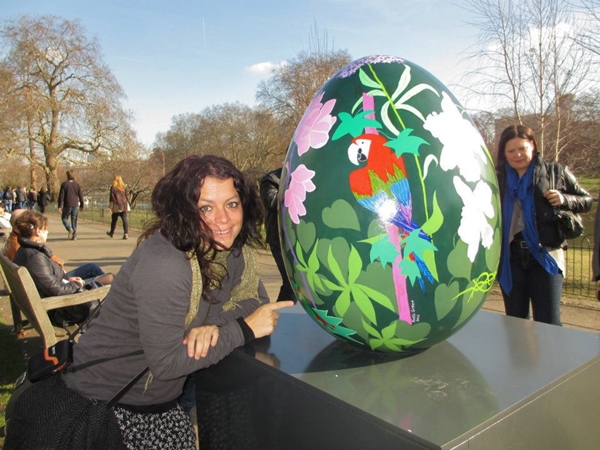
<point>532,264</point>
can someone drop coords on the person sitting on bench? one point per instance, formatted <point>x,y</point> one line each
<point>49,276</point>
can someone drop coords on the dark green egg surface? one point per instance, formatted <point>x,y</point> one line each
<point>389,208</point>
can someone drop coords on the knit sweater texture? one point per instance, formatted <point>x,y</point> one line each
<point>145,310</point>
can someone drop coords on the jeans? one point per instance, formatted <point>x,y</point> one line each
<point>70,211</point>
<point>532,282</point>
<point>187,398</point>
<point>86,272</point>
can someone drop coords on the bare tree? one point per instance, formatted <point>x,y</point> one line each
<point>498,54</point>
<point>292,86</point>
<point>590,37</point>
<point>527,57</point>
<point>72,99</point>
<point>583,151</point>
<point>247,137</point>
<point>12,112</point>
<point>180,140</point>
<point>96,180</point>
<point>250,138</point>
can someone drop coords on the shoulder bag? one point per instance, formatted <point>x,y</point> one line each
<point>57,359</point>
<point>569,223</point>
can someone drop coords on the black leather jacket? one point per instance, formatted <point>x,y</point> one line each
<point>553,176</point>
<point>269,188</point>
<point>46,273</point>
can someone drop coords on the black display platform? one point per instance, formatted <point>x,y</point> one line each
<point>499,383</point>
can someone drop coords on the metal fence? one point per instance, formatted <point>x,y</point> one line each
<point>578,281</point>
<point>96,210</point>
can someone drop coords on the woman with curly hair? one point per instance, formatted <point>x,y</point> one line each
<point>187,296</point>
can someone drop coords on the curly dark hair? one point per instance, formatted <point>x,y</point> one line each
<point>175,204</point>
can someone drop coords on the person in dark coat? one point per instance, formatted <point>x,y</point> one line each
<point>48,274</point>
<point>42,199</point>
<point>269,189</point>
<point>596,251</point>
<point>70,201</point>
<point>31,198</point>
<point>9,197</point>
<point>21,194</point>
<point>532,261</point>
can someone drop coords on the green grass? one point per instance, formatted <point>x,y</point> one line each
<point>136,217</point>
<point>579,274</point>
<point>12,366</point>
<point>592,185</point>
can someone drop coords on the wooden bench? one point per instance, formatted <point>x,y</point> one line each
<point>26,297</point>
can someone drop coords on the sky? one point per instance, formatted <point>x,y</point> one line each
<point>181,56</point>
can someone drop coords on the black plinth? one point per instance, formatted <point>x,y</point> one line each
<point>499,383</point>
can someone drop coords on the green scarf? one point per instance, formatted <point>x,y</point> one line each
<point>248,287</point>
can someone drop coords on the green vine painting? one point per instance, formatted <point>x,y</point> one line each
<point>389,209</point>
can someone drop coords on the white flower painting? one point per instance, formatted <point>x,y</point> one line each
<point>474,226</point>
<point>462,143</point>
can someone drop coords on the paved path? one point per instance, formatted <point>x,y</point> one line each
<point>93,245</point>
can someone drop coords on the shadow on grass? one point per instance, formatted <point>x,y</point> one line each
<point>11,355</point>
<point>13,365</point>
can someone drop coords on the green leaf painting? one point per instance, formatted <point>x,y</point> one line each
<point>342,215</point>
<point>404,143</point>
<point>382,256</point>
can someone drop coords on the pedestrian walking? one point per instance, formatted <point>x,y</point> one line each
<point>70,201</point>
<point>118,204</point>
<point>21,195</point>
<point>42,199</point>
<point>31,199</point>
<point>9,197</point>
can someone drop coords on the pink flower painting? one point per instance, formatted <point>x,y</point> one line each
<point>313,130</point>
<point>300,184</point>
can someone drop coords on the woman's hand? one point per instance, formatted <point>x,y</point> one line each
<point>555,197</point>
<point>200,339</point>
<point>264,319</point>
<point>78,280</point>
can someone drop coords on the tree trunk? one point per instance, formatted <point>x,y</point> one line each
<point>51,172</point>
<point>32,174</point>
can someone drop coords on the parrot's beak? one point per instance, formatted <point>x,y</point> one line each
<point>356,155</point>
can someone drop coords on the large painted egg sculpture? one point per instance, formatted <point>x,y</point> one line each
<point>389,209</point>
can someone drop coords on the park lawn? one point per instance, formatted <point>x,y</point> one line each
<point>592,185</point>
<point>579,274</point>
<point>13,365</point>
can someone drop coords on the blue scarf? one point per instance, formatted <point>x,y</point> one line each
<point>521,189</point>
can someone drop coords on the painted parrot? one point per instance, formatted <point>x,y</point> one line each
<point>381,186</point>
